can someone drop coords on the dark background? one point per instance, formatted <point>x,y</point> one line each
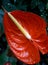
<point>39,7</point>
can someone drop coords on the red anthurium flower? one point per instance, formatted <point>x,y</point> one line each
<point>24,49</point>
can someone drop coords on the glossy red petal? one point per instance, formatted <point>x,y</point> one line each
<point>42,37</point>
<point>25,51</point>
<point>33,23</point>
<point>21,47</point>
<point>27,55</point>
<point>42,43</point>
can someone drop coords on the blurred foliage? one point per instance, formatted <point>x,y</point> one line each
<point>1,22</point>
<point>39,7</point>
<point>4,58</point>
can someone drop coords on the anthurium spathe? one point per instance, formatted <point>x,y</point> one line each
<point>27,50</point>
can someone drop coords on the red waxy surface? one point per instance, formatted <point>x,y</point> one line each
<point>24,49</point>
